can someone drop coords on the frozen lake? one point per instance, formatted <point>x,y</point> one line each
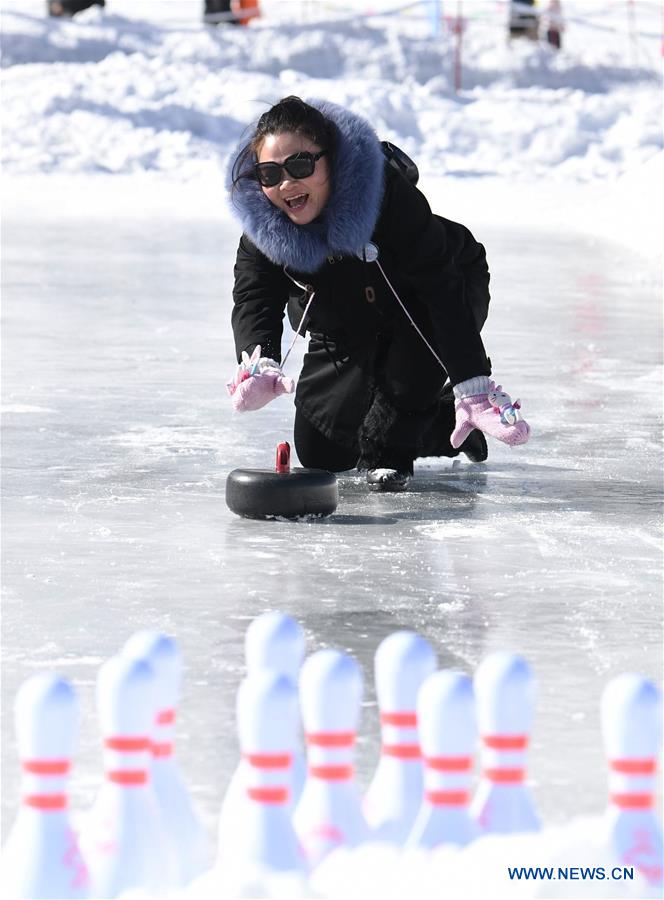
<point>119,437</point>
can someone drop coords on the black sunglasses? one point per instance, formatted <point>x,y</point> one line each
<point>299,165</point>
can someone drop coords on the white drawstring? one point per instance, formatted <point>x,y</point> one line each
<point>304,314</point>
<point>410,318</point>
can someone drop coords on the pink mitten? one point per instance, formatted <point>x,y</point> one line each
<point>480,404</point>
<point>257,381</point>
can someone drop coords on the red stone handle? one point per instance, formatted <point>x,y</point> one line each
<point>283,458</point>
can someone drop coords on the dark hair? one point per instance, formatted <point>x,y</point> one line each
<point>290,114</point>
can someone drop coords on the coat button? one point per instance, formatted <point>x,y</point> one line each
<point>369,252</point>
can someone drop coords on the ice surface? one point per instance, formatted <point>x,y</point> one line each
<point>118,440</point>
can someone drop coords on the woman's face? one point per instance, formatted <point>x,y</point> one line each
<point>301,199</point>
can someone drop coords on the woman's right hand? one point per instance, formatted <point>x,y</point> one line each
<point>257,381</point>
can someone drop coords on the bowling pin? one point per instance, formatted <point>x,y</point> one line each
<point>272,641</point>
<point>184,832</point>
<point>267,717</point>
<point>403,661</point>
<point>505,701</point>
<point>631,713</point>
<point>329,812</point>
<point>448,735</point>
<point>41,857</point>
<point>123,841</point>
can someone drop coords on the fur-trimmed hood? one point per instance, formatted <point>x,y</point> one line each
<point>348,218</point>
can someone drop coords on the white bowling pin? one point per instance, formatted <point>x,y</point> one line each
<point>631,713</point>
<point>402,662</point>
<point>184,832</point>
<point>505,702</point>
<point>41,857</point>
<point>122,839</point>
<point>276,641</point>
<point>273,641</point>
<point>267,716</point>
<point>448,735</point>
<point>329,812</point>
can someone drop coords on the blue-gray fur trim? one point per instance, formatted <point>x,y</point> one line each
<point>349,216</point>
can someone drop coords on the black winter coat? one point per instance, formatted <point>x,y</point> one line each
<point>361,341</point>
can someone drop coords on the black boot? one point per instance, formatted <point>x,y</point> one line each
<point>388,479</point>
<point>475,446</point>
<point>384,447</point>
<point>436,434</point>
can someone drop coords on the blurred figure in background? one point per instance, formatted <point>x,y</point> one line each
<point>215,12</point>
<point>523,19</point>
<point>69,8</point>
<point>554,24</point>
<point>218,12</point>
<point>230,12</point>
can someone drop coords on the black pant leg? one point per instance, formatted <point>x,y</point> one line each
<point>412,412</point>
<point>315,451</point>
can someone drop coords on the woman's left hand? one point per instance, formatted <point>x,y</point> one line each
<point>257,381</point>
<point>491,411</point>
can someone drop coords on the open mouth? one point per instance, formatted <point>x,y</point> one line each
<point>298,202</point>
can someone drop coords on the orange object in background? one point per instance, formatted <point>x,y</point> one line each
<point>252,6</point>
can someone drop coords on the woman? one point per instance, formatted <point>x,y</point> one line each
<point>393,298</point>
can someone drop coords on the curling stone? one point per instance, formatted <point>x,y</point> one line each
<point>266,494</point>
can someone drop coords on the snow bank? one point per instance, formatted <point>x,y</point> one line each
<point>161,100</point>
<point>110,93</point>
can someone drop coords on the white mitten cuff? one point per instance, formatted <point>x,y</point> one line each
<point>480,384</point>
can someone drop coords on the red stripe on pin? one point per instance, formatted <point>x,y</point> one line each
<point>268,760</point>
<point>166,717</point>
<point>504,776</point>
<point>402,751</point>
<point>46,766</point>
<point>449,763</point>
<point>128,777</point>
<point>400,719</point>
<point>332,773</point>
<point>447,798</point>
<point>331,739</point>
<point>632,801</point>
<point>505,741</point>
<point>268,794</point>
<point>162,750</point>
<point>46,801</point>
<point>634,766</point>
<point>128,744</point>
